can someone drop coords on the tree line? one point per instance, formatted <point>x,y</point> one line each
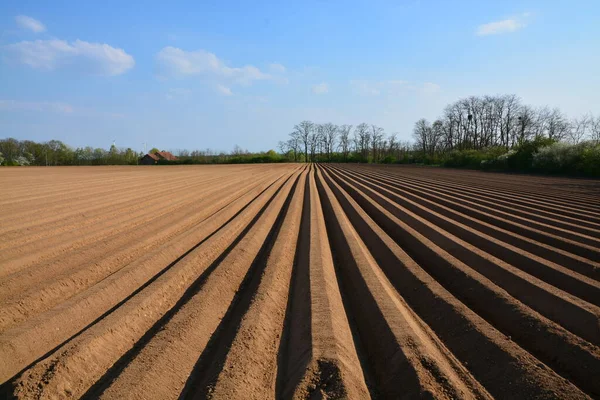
<point>494,132</point>
<point>480,122</point>
<point>15,152</point>
<point>311,142</point>
<point>474,123</point>
<point>55,152</point>
<point>481,132</point>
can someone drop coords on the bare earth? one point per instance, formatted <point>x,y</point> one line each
<point>294,281</point>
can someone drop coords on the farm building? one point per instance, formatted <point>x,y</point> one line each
<point>153,158</point>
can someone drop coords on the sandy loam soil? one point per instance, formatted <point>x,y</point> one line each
<point>297,281</point>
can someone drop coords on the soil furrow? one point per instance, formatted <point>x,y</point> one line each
<point>552,273</point>
<point>161,365</point>
<point>298,281</point>
<point>253,354</point>
<point>475,201</point>
<point>466,334</point>
<point>28,303</point>
<point>407,358</point>
<point>560,349</point>
<point>39,335</point>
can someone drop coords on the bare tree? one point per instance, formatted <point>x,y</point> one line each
<point>313,141</point>
<point>303,131</point>
<point>344,131</point>
<point>512,104</point>
<point>238,151</point>
<point>284,147</point>
<point>595,129</point>
<point>526,125</point>
<point>293,143</point>
<point>362,139</point>
<point>392,145</point>
<point>580,128</point>
<point>424,137</point>
<point>376,142</point>
<point>558,126</point>
<point>329,135</point>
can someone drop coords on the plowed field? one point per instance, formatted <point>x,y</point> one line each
<point>296,281</point>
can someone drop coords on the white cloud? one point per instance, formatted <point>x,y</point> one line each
<point>224,90</point>
<point>44,106</point>
<point>276,68</point>
<point>203,63</point>
<point>30,23</point>
<point>508,25</point>
<point>95,58</point>
<point>321,88</point>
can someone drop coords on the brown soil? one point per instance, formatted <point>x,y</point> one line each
<point>294,281</point>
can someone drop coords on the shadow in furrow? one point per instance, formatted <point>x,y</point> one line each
<point>506,222</point>
<point>6,387</point>
<point>482,204</point>
<point>570,357</point>
<point>295,347</point>
<point>210,363</point>
<point>577,320</point>
<point>481,218</point>
<point>104,382</point>
<point>387,371</point>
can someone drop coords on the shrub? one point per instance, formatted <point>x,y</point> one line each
<point>558,157</point>
<point>522,158</point>
<point>590,161</point>
<point>581,159</point>
<point>484,158</point>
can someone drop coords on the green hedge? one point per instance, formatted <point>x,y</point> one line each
<point>541,155</point>
<point>563,158</point>
<point>471,158</point>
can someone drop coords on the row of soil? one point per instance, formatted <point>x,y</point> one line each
<point>319,281</point>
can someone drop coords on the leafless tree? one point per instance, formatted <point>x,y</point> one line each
<point>313,141</point>
<point>329,135</point>
<point>595,129</point>
<point>293,143</point>
<point>344,131</point>
<point>558,126</point>
<point>511,104</point>
<point>526,124</point>
<point>580,128</point>
<point>376,142</point>
<point>284,147</point>
<point>303,131</point>
<point>238,151</point>
<point>392,145</point>
<point>424,136</point>
<point>362,140</point>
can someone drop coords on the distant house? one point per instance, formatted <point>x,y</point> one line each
<point>154,158</point>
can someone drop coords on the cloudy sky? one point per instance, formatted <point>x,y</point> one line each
<point>214,74</point>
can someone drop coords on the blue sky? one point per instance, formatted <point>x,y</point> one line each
<point>213,74</point>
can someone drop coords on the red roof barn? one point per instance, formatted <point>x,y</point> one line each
<point>153,158</point>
